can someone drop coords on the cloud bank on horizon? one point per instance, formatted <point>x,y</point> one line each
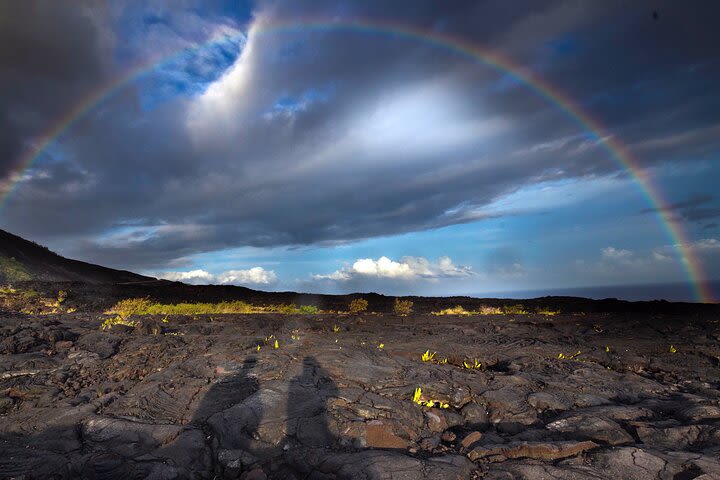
<point>256,276</point>
<point>338,159</point>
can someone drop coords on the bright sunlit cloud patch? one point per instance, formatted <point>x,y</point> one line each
<point>408,268</point>
<point>424,118</point>
<point>647,265</point>
<point>256,276</point>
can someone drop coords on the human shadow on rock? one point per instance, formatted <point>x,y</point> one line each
<point>306,421</point>
<point>239,428</point>
<point>231,448</point>
<point>101,447</point>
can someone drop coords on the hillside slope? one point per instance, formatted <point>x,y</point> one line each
<point>23,260</point>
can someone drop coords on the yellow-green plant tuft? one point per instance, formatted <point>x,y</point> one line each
<point>488,310</point>
<point>546,311</point>
<point>308,309</point>
<point>130,306</point>
<point>427,356</point>
<point>109,323</point>
<point>563,356</point>
<point>474,365</point>
<point>402,307</point>
<point>358,305</point>
<point>456,310</point>
<point>517,309</point>
<point>13,271</point>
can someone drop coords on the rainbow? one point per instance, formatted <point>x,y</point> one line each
<point>504,65</point>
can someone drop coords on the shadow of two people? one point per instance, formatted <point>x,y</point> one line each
<point>297,431</point>
<point>281,429</point>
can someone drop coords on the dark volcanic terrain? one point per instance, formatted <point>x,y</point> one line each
<point>635,397</point>
<point>605,389</point>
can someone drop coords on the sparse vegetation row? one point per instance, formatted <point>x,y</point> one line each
<point>144,306</point>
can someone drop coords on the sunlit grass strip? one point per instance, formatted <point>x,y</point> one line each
<point>143,306</point>
<point>517,309</point>
<point>456,310</point>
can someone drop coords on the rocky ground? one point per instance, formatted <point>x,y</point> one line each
<point>195,398</point>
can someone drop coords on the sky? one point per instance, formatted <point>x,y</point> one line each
<point>318,146</point>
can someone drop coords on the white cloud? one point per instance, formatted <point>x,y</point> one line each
<point>662,263</point>
<point>193,276</point>
<point>621,260</point>
<point>255,275</point>
<point>707,245</point>
<point>614,262</point>
<point>617,257</point>
<point>693,136</point>
<point>661,257</point>
<point>514,270</point>
<point>252,276</point>
<point>408,268</point>
<point>226,99</point>
<point>547,146</point>
<point>612,253</point>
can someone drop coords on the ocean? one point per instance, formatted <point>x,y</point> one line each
<point>672,292</point>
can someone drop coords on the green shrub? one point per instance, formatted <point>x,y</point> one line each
<point>546,311</point>
<point>488,310</point>
<point>402,307</point>
<point>309,309</point>
<point>358,305</point>
<point>456,310</point>
<point>130,306</point>
<point>280,308</point>
<point>517,309</point>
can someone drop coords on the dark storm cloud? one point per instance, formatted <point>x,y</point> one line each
<point>50,53</point>
<point>694,202</point>
<point>320,137</point>
<point>698,208</point>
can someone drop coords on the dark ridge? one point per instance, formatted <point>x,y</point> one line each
<point>20,259</point>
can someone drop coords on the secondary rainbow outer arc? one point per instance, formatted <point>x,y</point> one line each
<point>691,264</point>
